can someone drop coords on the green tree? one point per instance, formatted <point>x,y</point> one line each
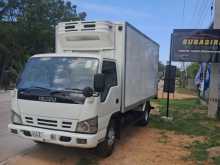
<point>28,27</point>
<point>192,69</point>
<point>161,67</point>
<point>37,21</point>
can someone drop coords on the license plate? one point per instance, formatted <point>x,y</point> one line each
<point>36,134</point>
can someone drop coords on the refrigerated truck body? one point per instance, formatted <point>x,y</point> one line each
<point>80,95</point>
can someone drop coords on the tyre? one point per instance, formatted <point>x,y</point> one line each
<point>106,147</point>
<point>145,116</point>
<point>38,142</point>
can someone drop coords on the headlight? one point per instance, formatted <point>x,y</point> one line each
<point>88,126</point>
<point>15,118</point>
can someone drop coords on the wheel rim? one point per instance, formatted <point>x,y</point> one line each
<point>146,116</point>
<point>111,136</point>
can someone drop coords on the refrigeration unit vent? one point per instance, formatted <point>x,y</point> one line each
<point>84,35</point>
<point>80,26</point>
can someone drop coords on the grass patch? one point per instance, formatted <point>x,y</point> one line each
<point>189,117</point>
<point>216,160</point>
<point>188,114</point>
<point>199,151</point>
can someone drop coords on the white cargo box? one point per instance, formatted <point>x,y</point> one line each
<point>141,67</point>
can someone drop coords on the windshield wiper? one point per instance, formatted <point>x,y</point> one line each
<point>65,94</point>
<point>73,89</point>
<point>35,87</point>
<point>39,87</point>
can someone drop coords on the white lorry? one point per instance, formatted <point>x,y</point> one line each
<point>102,74</point>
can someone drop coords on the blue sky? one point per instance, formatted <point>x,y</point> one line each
<point>156,18</point>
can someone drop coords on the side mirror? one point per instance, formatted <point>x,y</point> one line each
<point>99,82</point>
<point>87,91</point>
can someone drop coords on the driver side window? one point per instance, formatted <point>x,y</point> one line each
<point>110,74</point>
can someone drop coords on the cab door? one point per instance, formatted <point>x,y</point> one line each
<point>110,97</point>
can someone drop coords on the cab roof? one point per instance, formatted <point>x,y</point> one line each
<point>79,54</point>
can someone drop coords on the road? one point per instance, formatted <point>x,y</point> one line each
<point>10,145</point>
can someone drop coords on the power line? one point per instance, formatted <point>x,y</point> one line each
<point>183,14</point>
<point>197,7</point>
<point>209,10</point>
<point>205,13</point>
<point>200,13</point>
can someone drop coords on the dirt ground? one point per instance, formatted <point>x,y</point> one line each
<point>176,95</point>
<point>145,146</point>
<point>138,146</point>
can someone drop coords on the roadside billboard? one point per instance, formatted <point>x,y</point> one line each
<point>195,45</point>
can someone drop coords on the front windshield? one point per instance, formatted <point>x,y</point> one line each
<point>59,73</point>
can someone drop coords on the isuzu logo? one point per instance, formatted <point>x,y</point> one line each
<point>47,99</point>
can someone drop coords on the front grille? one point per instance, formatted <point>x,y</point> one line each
<point>66,124</point>
<point>52,123</point>
<point>45,122</point>
<point>29,120</point>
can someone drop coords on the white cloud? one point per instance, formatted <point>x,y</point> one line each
<point>114,10</point>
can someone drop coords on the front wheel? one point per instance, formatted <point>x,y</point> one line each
<point>106,147</point>
<point>38,142</point>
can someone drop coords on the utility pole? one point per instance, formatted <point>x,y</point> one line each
<point>214,91</point>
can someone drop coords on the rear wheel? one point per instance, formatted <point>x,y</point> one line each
<point>106,147</point>
<point>144,118</point>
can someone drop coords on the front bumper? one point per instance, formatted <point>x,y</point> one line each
<point>58,137</point>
